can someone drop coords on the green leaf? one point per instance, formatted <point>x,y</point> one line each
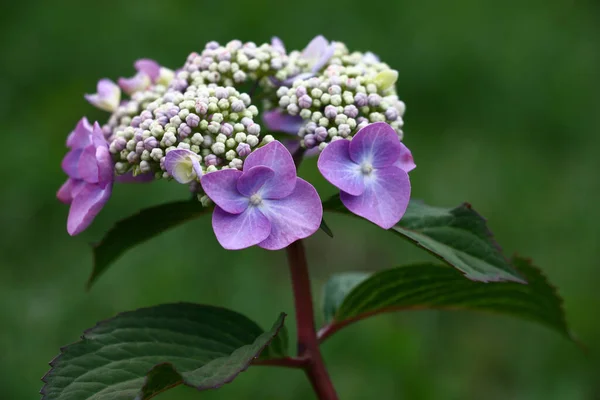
<point>140,227</point>
<point>279,346</point>
<point>458,236</point>
<point>326,228</point>
<point>337,288</point>
<point>351,297</point>
<point>141,353</point>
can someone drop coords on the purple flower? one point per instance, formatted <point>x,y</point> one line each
<point>277,121</point>
<point>372,173</point>
<point>90,169</point>
<point>183,165</point>
<point>148,72</point>
<point>266,204</point>
<point>277,44</point>
<point>318,52</point>
<point>108,96</point>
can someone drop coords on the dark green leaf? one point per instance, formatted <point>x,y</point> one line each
<point>279,346</point>
<point>351,297</point>
<point>138,228</point>
<point>337,288</point>
<point>459,236</point>
<point>326,228</point>
<point>141,353</point>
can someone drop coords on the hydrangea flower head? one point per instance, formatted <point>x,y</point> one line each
<point>266,204</point>
<point>371,171</point>
<point>107,97</point>
<point>90,169</point>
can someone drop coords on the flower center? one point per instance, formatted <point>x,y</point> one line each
<point>366,168</point>
<point>255,199</point>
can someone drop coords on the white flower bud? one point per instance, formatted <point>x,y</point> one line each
<point>252,140</point>
<point>218,148</point>
<point>230,143</point>
<point>240,137</point>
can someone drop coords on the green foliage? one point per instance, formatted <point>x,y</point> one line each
<point>140,227</point>
<point>458,236</point>
<point>353,296</point>
<point>141,353</point>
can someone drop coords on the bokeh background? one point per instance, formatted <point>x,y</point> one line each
<point>503,111</point>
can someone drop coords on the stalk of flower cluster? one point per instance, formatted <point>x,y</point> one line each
<point>308,344</point>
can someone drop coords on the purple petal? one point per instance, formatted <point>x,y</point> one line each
<point>370,58</point>
<point>406,161</point>
<point>253,179</point>
<point>105,165</point>
<point>149,67</point>
<point>69,190</point>
<point>278,44</point>
<point>136,83</point>
<point>81,135</point>
<point>275,156</point>
<point>294,217</point>
<point>221,187</point>
<point>86,205</point>
<point>238,231</point>
<point>183,165</point>
<point>129,178</point>
<point>318,52</point>
<point>87,167</point>
<point>376,144</point>
<point>385,198</point>
<point>325,56</point>
<point>303,76</point>
<point>70,163</point>
<point>108,96</point>
<point>277,121</point>
<point>337,167</point>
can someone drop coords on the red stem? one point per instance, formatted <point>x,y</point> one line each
<point>308,344</point>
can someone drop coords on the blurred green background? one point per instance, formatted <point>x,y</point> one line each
<point>503,112</point>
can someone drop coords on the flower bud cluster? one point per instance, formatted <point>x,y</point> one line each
<point>122,116</point>
<point>215,122</point>
<point>231,65</point>
<point>353,91</point>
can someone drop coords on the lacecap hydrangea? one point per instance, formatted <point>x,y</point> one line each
<point>200,125</point>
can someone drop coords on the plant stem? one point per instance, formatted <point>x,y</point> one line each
<point>308,344</point>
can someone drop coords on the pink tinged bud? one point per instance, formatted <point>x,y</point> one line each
<point>150,143</point>
<point>309,141</point>
<point>321,133</point>
<point>368,171</point>
<point>351,111</point>
<point>300,91</point>
<point>243,149</point>
<point>108,96</point>
<point>192,120</point>
<point>305,101</point>
<point>227,129</point>
<point>148,67</point>
<point>330,112</point>
<point>183,165</point>
<point>184,130</point>
<point>211,159</point>
<point>360,99</point>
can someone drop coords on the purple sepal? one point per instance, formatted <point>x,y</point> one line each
<point>91,175</point>
<point>277,121</point>
<point>371,172</point>
<point>265,205</point>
